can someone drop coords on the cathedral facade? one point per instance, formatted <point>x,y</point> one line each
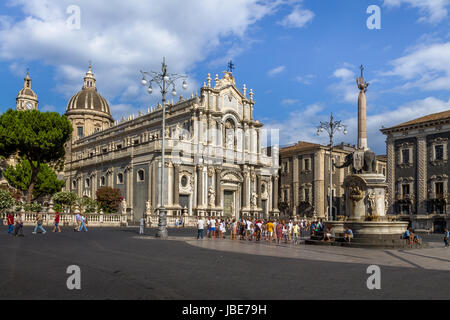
<point>214,162</point>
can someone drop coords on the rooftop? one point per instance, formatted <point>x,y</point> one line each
<point>428,118</point>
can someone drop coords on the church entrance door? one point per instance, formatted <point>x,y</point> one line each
<point>228,203</point>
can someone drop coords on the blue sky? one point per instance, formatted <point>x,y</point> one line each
<point>300,57</point>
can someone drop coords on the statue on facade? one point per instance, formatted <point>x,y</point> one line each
<point>372,202</point>
<point>124,206</point>
<point>254,199</point>
<point>212,196</point>
<point>147,207</point>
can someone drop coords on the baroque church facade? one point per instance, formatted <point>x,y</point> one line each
<point>214,162</point>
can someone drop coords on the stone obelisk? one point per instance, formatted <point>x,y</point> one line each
<point>362,110</point>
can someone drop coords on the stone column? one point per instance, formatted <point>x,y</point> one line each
<point>220,135</point>
<point>421,175</point>
<point>199,186</point>
<point>150,183</point>
<point>362,130</point>
<point>245,189</point>
<point>275,193</point>
<point>218,191</point>
<point>295,184</point>
<point>176,184</point>
<point>390,173</point>
<point>258,190</point>
<point>319,183</point>
<point>155,190</point>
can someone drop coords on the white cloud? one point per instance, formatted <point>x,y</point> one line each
<point>289,102</point>
<point>301,124</point>
<point>306,80</point>
<point>298,18</point>
<point>48,108</point>
<point>276,70</point>
<point>345,89</point>
<point>121,38</point>
<point>426,68</point>
<point>433,11</point>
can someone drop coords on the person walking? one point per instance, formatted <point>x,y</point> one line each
<point>39,222</point>
<point>83,224</point>
<point>446,235</point>
<point>19,225</point>
<point>78,221</point>
<point>200,228</point>
<point>10,223</point>
<point>56,228</point>
<point>141,225</point>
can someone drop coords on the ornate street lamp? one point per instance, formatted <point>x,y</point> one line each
<point>164,80</point>
<point>331,127</point>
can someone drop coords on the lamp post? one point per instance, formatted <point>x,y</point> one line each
<point>164,80</point>
<point>331,127</point>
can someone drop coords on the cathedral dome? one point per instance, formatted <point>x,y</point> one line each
<point>88,100</point>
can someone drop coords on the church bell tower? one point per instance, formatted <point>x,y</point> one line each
<point>26,98</point>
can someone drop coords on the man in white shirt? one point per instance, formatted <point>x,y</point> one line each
<point>249,229</point>
<point>200,227</point>
<point>290,226</point>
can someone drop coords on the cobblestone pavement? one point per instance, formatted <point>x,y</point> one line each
<point>120,264</point>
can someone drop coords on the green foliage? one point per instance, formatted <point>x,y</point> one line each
<point>57,207</point>
<point>109,199</point>
<point>6,200</point>
<point>47,182</point>
<point>32,207</point>
<point>36,136</point>
<point>87,205</point>
<point>66,199</point>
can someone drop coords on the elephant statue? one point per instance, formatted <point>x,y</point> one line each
<point>369,165</point>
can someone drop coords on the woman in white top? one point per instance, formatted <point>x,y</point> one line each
<point>222,229</point>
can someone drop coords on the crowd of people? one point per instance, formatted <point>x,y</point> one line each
<point>257,229</point>
<point>15,224</point>
<point>215,228</point>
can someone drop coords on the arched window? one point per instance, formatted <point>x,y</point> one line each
<point>74,184</point>
<point>140,175</point>
<point>87,183</point>
<point>103,181</point>
<point>120,178</point>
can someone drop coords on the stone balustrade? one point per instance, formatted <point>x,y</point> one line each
<point>94,220</point>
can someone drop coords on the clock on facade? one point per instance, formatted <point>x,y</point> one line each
<point>29,106</point>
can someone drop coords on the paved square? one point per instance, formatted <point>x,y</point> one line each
<point>120,264</point>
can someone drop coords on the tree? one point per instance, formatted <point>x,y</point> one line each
<point>36,136</point>
<point>47,182</point>
<point>65,198</point>
<point>109,199</point>
<point>87,205</point>
<point>32,207</point>
<point>6,200</point>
